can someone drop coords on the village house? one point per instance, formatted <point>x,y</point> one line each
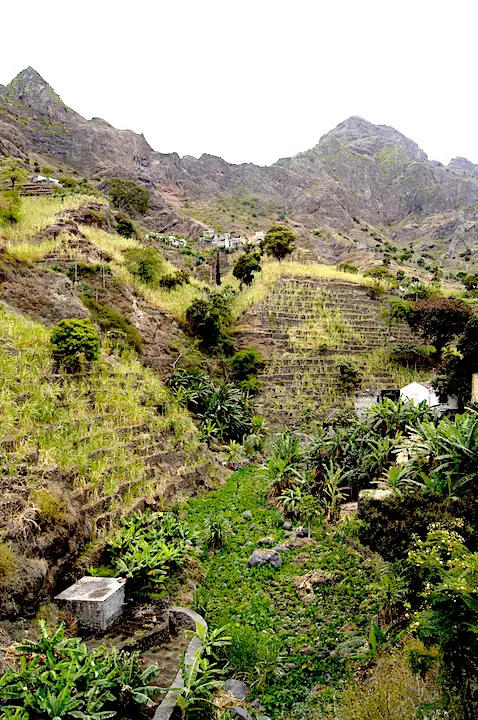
<point>424,392</point>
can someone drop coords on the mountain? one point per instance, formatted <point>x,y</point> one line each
<point>363,188</point>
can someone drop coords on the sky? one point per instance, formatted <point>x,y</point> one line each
<point>256,80</point>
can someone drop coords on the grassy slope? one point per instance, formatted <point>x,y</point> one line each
<point>265,598</point>
<point>69,418</point>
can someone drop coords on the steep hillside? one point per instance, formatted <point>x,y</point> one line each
<point>309,327</point>
<point>77,453</point>
<point>365,188</point>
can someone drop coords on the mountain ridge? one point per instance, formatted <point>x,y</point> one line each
<point>359,180</point>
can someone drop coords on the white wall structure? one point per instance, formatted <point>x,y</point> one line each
<point>424,392</point>
<point>96,601</point>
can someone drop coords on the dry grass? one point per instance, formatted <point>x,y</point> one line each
<point>37,213</point>
<point>273,271</point>
<point>175,301</point>
<point>392,692</point>
<point>33,252</point>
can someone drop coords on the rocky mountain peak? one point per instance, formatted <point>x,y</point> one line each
<point>38,96</point>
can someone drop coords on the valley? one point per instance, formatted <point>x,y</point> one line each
<point>229,430</point>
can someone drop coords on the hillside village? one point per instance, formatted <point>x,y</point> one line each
<point>238,468</point>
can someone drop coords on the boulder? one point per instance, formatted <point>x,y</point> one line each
<point>301,532</point>
<point>267,541</point>
<point>237,688</point>
<point>265,557</point>
<point>287,525</point>
<point>247,515</point>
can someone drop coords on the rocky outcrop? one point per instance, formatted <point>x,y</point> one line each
<point>358,178</point>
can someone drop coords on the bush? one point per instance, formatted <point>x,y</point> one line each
<point>439,319</point>
<point>125,228</point>
<point>208,319</point>
<point>173,280</point>
<point>128,196</point>
<point>251,386</point>
<point>250,651</point>
<point>347,268</point>
<point>110,319</point>
<point>411,355</point>
<point>145,264</point>
<point>390,523</point>
<point>246,363</point>
<point>69,182</point>
<point>349,375</point>
<point>74,342</point>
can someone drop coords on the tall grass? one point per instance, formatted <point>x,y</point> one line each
<point>37,213</point>
<point>69,418</point>
<point>272,272</point>
<point>175,301</point>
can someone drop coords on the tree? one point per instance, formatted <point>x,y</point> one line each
<point>454,376</point>
<point>12,171</point>
<point>145,263</point>
<point>439,319</point>
<point>245,363</point>
<point>205,322</point>
<point>245,267</point>
<point>394,311</point>
<point>279,241</point>
<point>128,196</point>
<point>74,342</point>
<point>379,272</point>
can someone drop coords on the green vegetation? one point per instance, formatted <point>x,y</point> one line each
<point>245,268</point>
<point>223,408</point>
<point>145,264</point>
<point>74,343</point>
<point>208,319</point>
<point>118,328</point>
<point>439,319</point>
<point>128,196</point>
<point>279,242</point>
<point>459,364</point>
<point>58,677</point>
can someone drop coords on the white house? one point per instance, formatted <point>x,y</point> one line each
<point>49,180</point>
<point>425,392</point>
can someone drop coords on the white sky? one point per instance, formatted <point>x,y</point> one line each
<point>255,80</point>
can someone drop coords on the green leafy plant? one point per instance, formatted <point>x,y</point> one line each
<point>128,196</point>
<point>74,343</point>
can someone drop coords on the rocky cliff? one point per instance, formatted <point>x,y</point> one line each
<point>362,188</point>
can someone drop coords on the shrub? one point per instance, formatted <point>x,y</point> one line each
<point>145,264</point>
<point>391,523</point>
<point>347,268</point>
<point>74,342</point>
<point>69,182</point>
<point>411,355</point>
<point>208,318</point>
<point>125,228</point>
<point>251,652</point>
<point>379,273</point>
<point>251,386</point>
<point>173,280</point>
<point>439,319</point>
<point>246,363</point>
<point>110,319</point>
<point>349,375</point>
<point>128,196</point>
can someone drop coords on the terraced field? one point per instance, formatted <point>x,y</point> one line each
<point>309,328</point>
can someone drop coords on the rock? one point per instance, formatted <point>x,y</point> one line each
<point>240,712</point>
<point>301,532</point>
<point>281,548</point>
<point>265,557</point>
<point>247,515</point>
<point>237,688</point>
<point>287,525</point>
<point>255,703</point>
<point>254,527</point>
<point>305,584</point>
<point>248,543</point>
<point>299,543</point>
<point>266,541</point>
